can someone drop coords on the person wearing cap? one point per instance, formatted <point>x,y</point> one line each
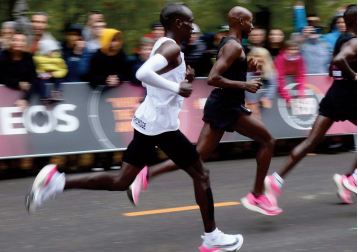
<point>212,41</point>
<point>195,55</point>
<point>108,66</point>
<point>51,68</point>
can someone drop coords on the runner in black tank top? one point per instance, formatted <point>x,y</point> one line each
<point>339,104</point>
<point>224,105</point>
<point>225,111</point>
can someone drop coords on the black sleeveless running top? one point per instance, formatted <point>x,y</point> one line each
<point>343,38</point>
<point>237,71</point>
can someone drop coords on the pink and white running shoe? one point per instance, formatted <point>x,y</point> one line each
<point>139,184</point>
<point>343,194</point>
<point>48,183</point>
<point>350,183</point>
<point>221,243</point>
<point>272,189</point>
<point>260,204</point>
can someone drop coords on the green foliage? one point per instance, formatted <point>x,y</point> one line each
<point>135,17</point>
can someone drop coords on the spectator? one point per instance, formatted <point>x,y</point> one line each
<point>74,53</point>
<point>7,31</point>
<point>137,60</point>
<point>275,42</point>
<point>39,24</point>
<point>157,31</point>
<point>267,72</point>
<point>257,37</point>
<point>50,67</point>
<point>337,27</point>
<point>212,41</point>
<point>108,66</point>
<point>314,52</point>
<point>93,17</point>
<point>17,69</point>
<point>96,30</point>
<point>195,55</point>
<point>289,63</point>
<point>302,20</point>
<point>314,21</point>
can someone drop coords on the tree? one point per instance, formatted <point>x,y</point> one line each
<point>134,17</point>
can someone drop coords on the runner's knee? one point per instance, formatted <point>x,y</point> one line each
<point>119,184</point>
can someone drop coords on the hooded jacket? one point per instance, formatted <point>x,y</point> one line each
<point>48,59</point>
<point>102,65</point>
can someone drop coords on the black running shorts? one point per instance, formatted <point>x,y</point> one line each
<point>340,102</point>
<point>174,144</point>
<point>222,111</point>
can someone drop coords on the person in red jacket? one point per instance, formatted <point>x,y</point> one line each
<point>289,63</point>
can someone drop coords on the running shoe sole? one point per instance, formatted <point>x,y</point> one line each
<point>233,248</point>
<point>251,207</point>
<point>130,196</point>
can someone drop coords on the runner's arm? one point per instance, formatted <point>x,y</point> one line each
<point>228,54</point>
<point>165,56</point>
<point>348,53</point>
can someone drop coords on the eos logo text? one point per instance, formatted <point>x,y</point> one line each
<point>38,120</point>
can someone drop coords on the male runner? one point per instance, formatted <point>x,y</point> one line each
<point>224,111</point>
<point>339,104</point>
<point>156,123</point>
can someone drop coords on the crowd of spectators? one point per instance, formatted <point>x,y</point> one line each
<point>30,57</point>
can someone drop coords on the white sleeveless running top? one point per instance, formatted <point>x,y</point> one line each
<point>159,112</point>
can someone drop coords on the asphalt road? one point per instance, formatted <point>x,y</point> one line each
<point>90,221</point>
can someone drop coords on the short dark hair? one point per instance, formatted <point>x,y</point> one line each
<point>95,12</point>
<point>19,32</point>
<point>170,12</point>
<point>351,10</point>
<point>39,13</point>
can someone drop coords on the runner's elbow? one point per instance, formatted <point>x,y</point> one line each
<point>141,74</point>
<point>213,80</point>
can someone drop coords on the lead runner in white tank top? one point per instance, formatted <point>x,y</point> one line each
<point>159,112</point>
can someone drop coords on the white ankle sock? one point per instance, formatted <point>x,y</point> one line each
<point>355,174</point>
<point>212,234</point>
<point>60,182</point>
<point>278,179</point>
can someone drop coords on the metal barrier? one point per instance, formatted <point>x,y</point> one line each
<point>90,121</point>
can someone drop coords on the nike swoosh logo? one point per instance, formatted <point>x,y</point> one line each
<point>227,245</point>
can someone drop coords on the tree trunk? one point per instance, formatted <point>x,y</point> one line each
<point>311,7</point>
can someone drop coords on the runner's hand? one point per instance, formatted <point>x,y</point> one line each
<point>253,85</point>
<point>185,88</point>
<point>190,74</point>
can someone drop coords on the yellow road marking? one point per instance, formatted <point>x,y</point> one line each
<point>177,209</point>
